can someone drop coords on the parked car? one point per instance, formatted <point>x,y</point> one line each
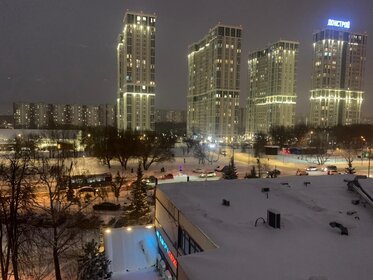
<point>273,173</point>
<point>151,180</point>
<point>330,168</point>
<point>198,170</point>
<point>87,190</point>
<point>167,176</point>
<point>223,169</point>
<point>333,172</point>
<point>208,174</point>
<point>108,206</point>
<point>301,173</point>
<point>311,168</point>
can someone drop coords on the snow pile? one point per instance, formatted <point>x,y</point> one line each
<point>131,249</point>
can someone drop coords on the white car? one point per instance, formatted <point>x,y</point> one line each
<point>311,168</point>
<point>208,174</point>
<point>330,168</point>
<point>198,170</point>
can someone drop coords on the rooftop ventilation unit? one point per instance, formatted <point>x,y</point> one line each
<point>344,230</point>
<point>266,191</point>
<point>226,202</point>
<point>273,218</point>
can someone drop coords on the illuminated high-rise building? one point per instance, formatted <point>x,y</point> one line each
<point>338,76</point>
<point>136,73</point>
<point>272,87</point>
<point>214,84</point>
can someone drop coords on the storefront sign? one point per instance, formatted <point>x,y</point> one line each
<point>165,247</point>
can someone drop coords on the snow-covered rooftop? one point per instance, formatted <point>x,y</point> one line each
<point>306,246</point>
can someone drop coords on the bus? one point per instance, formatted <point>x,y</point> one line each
<point>93,180</point>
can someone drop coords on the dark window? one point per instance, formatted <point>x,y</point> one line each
<point>233,32</point>
<point>227,32</point>
<point>221,31</point>
<point>187,244</point>
<point>152,21</point>
<point>130,18</point>
<point>238,33</point>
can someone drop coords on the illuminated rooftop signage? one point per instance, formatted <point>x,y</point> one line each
<point>165,247</point>
<point>339,23</point>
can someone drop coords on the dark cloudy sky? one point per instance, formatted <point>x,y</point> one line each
<point>64,51</point>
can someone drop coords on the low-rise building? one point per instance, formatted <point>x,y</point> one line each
<point>284,228</point>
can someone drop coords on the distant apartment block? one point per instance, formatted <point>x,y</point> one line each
<point>6,121</point>
<point>272,87</point>
<point>44,116</point>
<point>176,116</point>
<point>136,73</point>
<point>339,58</point>
<point>214,84</point>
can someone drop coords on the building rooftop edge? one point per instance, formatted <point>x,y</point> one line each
<point>139,13</point>
<point>212,28</point>
<point>339,29</point>
<point>271,44</point>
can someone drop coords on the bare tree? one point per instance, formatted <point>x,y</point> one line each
<point>190,144</point>
<point>319,148</point>
<point>260,140</point>
<point>200,153</point>
<point>127,146</point>
<point>15,197</point>
<point>155,148</point>
<point>204,154</point>
<point>103,144</point>
<point>59,216</point>
<point>117,184</point>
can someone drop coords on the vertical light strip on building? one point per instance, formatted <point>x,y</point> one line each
<point>136,72</point>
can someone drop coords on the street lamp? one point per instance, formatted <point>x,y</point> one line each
<point>369,161</point>
<point>369,153</point>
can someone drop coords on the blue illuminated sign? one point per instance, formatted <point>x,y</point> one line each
<point>339,23</point>
<point>165,247</point>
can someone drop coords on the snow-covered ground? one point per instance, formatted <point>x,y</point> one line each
<point>141,275</point>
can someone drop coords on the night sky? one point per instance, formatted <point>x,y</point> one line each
<point>65,51</point>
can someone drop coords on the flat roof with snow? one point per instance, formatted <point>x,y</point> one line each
<point>306,247</point>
